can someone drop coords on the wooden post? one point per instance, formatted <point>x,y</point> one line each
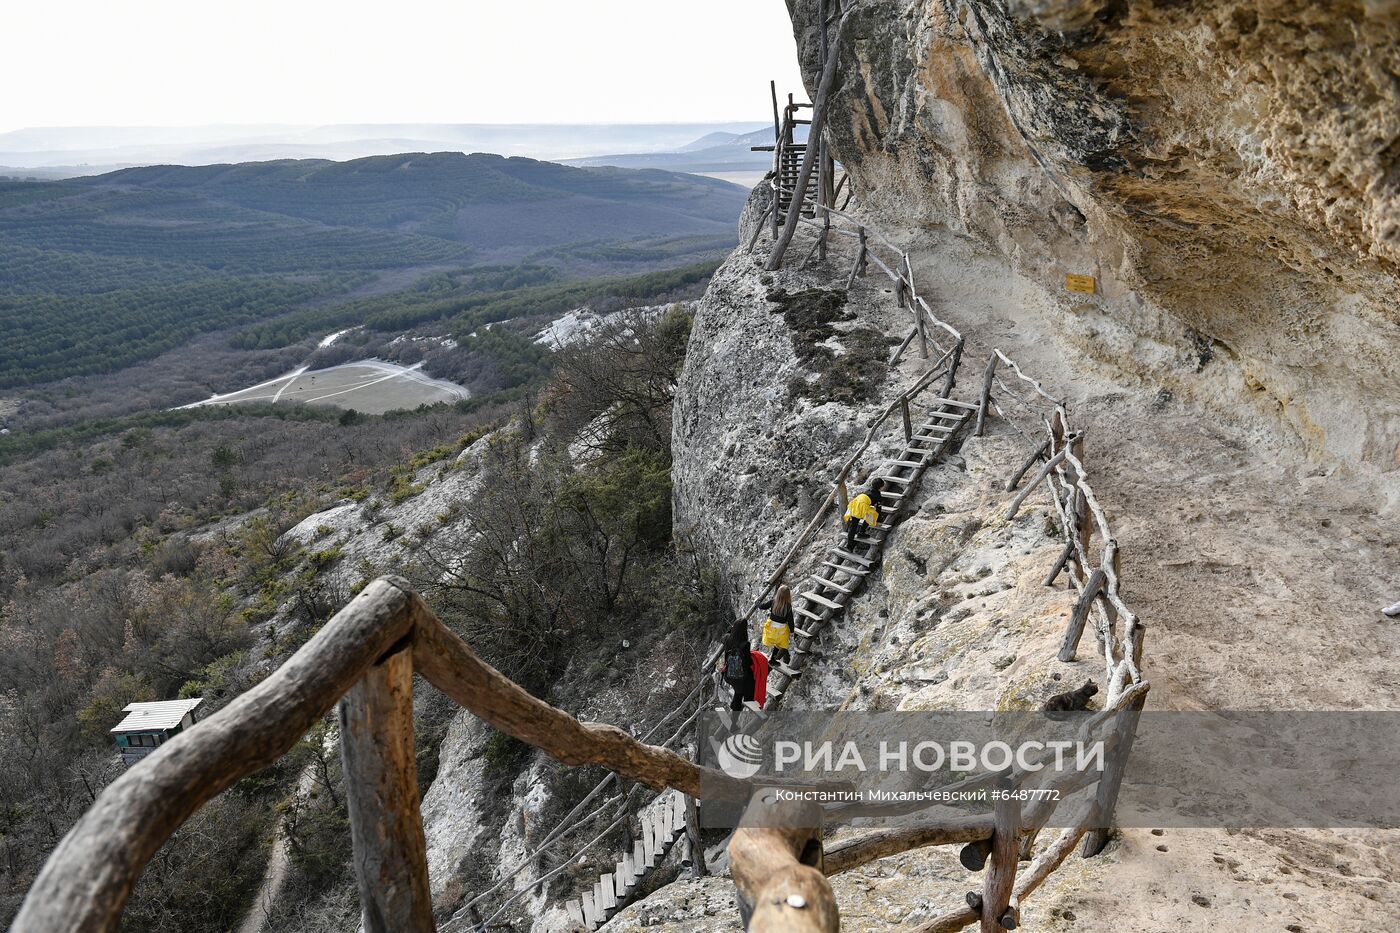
<point>809,158</point>
<point>953,362</point>
<point>692,811</point>
<point>864,251</point>
<point>381,792</point>
<point>1107,797</point>
<point>908,425</point>
<point>1000,879</point>
<point>844,495</point>
<point>1040,451</point>
<point>986,395</point>
<point>762,221</point>
<point>1057,431</point>
<point>1062,560</point>
<point>1083,523</point>
<point>1077,618</point>
<point>1030,487</point>
<point>858,268</point>
<point>855,270</point>
<point>778,869</point>
<point>777,124</point>
<point>919,325</point>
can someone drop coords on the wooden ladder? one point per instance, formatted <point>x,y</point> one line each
<point>789,168</point>
<point>842,572</point>
<point>662,825</point>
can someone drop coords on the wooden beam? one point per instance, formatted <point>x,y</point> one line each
<point>809,157</point>
<point>1040,451</point>
<point>775,858</point>
<point>1000,879</point>
<point>381,793</point>
<point>1106,799</point>
<point>861,850</point>
<point>858,267</point>
<point>1030,487</point>
<point>986,395</point>
<point>86,881</point>
<point>952,380</point>
<point>908,425</point>
<point>450,665</point>
<point>1075,630</point>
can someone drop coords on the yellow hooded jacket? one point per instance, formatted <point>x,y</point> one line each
<point>862,509</point>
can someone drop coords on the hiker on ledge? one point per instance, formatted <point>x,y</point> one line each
<point>777,629</point>
<point>736,664</point>
<point>861,510</point>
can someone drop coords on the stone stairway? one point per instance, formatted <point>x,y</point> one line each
<point>662,825</point>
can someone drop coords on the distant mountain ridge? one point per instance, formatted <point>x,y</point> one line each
<point>99,272</point>
<point>88,150</point>
<point>488,201</point>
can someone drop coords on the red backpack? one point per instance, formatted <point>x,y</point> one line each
<point>760,677</point>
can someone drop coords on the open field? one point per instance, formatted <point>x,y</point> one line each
<point>369,386</point>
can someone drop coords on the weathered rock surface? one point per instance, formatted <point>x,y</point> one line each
<point>1229,171</point>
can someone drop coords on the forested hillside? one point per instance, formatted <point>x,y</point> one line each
<point>99,273</point>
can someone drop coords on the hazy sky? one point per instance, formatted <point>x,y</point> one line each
<point>190,62</point>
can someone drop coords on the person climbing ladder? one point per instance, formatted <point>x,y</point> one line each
<point>777,629</point>
<point>736,664</point>
<point>862,510</point>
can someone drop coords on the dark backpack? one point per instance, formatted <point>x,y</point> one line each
<point>735,659</point>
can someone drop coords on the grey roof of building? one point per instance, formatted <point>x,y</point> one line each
<point>154,717</point>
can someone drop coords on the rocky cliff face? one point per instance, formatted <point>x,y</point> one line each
<point>1228,171</point>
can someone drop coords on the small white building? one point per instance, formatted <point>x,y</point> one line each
<point>148,726</point>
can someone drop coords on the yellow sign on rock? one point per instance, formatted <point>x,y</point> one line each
<point>1084,284</point>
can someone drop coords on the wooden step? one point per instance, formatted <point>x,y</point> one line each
<point>902,480</point>
<point>965,406</point>
<point>846,568</point>
<point>821,600</point>
<point>915,464</point>
<point>622,878</point>
<point>753,707</point>
<point>648,842</point>
<point>803,633</point>
<point>678,823</point>
<point>872,542</point>
<point>590,911</point>
<point>832,585</point>
<point>575,911</point>
<point>941,416</point>
<point>782,668</point>
<point>660,834</point>
<point>815,617</point>
<point>847,555</point>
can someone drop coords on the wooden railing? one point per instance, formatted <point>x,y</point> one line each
<point>1006,835</point>
<point>365,658</point>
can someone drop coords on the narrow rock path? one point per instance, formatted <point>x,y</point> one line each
<point>1260,576</point>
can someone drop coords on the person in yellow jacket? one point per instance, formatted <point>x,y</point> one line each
<point>777,629</point>
<point>862,509</point>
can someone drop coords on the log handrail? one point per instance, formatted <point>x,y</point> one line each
<point>86,881</point>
